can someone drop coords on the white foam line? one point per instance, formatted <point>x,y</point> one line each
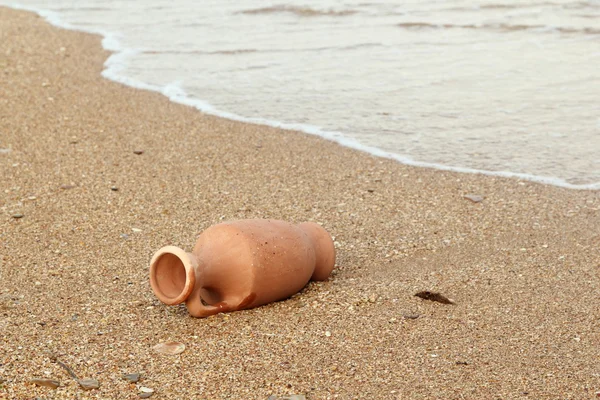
<point>117,62</point>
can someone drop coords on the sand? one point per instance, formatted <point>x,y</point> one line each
<point>523,265</point>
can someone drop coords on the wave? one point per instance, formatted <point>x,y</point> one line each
<point>216,52</point>
<point>82,8</point>
<point>505,27</point>
<point>503,6</point>
<point>500,27</point>
<point>234,52</point>
<point>299,11</point>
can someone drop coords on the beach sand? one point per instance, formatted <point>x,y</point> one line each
<point>523,265</point>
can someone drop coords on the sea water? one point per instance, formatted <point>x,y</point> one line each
<point>506,87</point>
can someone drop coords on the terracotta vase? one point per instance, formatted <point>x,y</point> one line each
<point>242,264</point>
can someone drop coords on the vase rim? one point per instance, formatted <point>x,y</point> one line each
<point>157,276</point>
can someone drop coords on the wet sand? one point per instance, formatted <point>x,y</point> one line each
<point>82,214</point>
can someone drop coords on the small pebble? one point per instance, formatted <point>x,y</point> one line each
<point>170,348</point>
<point>144,389</point>
<point>145,395</point>
<point>138,152</point>
<point>133,378</point>
<point>475,198</point>
<point>434,296</point>
<point>88,384</point>
<point>67,187</point>
<point>114,188</point>
<point>17,216</point>
<point>50,383</point>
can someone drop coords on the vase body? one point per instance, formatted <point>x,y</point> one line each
<point>242,264</point>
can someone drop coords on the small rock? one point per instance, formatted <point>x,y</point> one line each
<point>145,392</point>
<point>67,187</point>
<point>170,348</point>
<point>114,188</point>
<point>50,383</point>
<point>138,152</point>
<point>132,378</point>
<point>462,363</point>
<point>372,298</point>
<point>17,216</point>
<point>475,198</point>
<point>328,334</point>
<point>411,316</point>
<point>88,383</point>
<point>136,230</point>
<point>4,151</point>
<point>124,236</point>
<point>434,296</point>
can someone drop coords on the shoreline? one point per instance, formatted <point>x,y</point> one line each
<point>521,265</point>
<point>176,94</point>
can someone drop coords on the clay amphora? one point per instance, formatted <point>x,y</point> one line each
<point>242,264</point>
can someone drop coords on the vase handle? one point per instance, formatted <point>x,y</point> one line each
<point>198,308</point>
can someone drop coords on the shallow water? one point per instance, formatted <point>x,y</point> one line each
<point>487,85</point>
